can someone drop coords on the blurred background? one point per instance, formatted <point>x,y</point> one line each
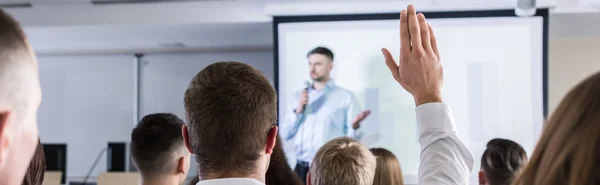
<point>106,63</point>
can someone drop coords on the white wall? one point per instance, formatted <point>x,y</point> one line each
<point>88,99</point>
<point>87,102</point>
<point>570,61</point>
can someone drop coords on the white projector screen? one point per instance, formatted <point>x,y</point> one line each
<point>494,69</point>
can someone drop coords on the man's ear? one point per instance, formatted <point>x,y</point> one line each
<point>181,166</point>
<point>271,139</point>
<point>482,177</point>
<point>186,138</point>
<point>5,138</point>
<point>308,179</point>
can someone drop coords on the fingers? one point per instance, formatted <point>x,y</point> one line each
<point>404,33</point>
<point>423,27</point>
<point>413,27</point>
<point>434,46</point>
<point>391,64</point>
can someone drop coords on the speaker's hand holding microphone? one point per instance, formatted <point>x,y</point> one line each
<point>302,100</point>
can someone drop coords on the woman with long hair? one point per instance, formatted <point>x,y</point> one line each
<point>388,169</point>
<point>37,167</point>
<point>280,172</point>
<point>568,152</point>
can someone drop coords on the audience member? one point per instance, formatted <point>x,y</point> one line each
<point>158,151</point>
<point>20,97</point>
<point>501,162</point>
<point>37,167</point>
<point>342,161</point>
<point>445,160</point>
<point>388,169</point>
<point>231,109</point>
<point>280,172</point>
<point>568,152</point>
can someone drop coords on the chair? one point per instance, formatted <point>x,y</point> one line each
<point>118,178</point>
<point>52,178</point>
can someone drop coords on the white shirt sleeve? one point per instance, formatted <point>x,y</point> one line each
<point>445,160</point>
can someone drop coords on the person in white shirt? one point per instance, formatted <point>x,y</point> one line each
<point>231,111</point>
<point>20,98</point>
<point>445,160</point>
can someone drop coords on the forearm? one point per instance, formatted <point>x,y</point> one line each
<point>444,157</point>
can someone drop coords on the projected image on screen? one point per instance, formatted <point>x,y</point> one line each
<point>493,84</point>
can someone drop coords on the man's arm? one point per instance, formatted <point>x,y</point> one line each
<point>292,121</point>
<point>444,158</point>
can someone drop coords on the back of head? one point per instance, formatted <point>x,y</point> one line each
<point>157,144</point>
<point>502,161</point>
<point>388,169</point>
<point>20,97</point>
<point>17,64</point>
<point>280,172</point>
<point>37,167</point>
<point>230,108</point>
<point>568,152</point>
<point>343,161</point>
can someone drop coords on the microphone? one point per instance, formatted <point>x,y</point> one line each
<point>307,83</point>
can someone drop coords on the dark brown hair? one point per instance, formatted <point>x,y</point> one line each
<point>280,172</point>
<point>502,161</point>
<point>37,167</point>
<point>568,152</point>
<point>230,108</point>
<point>323,51</point>
<point>154,141</point>
<point>10,30</point>
<point>388,169</point>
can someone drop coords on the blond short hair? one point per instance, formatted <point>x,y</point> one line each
<point>343,161</point>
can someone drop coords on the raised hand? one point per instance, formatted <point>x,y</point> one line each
<point>420,71</point>
<point>359,118</point>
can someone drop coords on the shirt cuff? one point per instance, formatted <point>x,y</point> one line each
<point>434,117</point>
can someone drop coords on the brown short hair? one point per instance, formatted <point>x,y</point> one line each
<point>568,152</point>
<point>155,142</point>
<point>388,169</point>
<point>230,108</point>
<point>343,161</point>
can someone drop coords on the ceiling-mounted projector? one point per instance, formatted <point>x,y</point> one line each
<point>525,8</point>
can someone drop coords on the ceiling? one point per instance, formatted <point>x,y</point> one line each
<point>191,27</point>
<point>151,38</point>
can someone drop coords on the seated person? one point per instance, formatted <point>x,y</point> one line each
<point>388,169</point>
<point>342,161</point>
<point>37,167</point>
<point>280,172</point>
<point>568,151</point>
<point>158,150</point>
<point>501,162</point>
